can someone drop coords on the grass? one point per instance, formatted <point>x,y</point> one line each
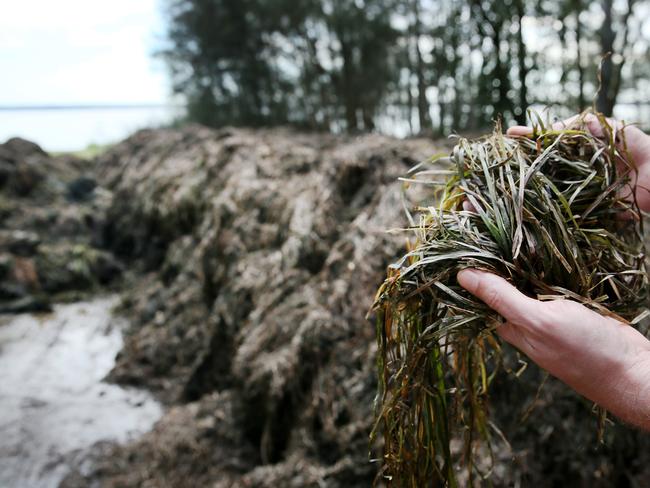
<point>91,151</point>
<point>548,214</point>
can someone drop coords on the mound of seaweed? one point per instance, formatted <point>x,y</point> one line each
<point>258,254</point>
<point>50,213</point>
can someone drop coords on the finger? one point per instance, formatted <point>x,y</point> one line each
<point>592,122</point>
<point>566,123</point>
<point>519,130</point>
<point>642,190</point>
<point>500,296</point>
<point>636,143</point>
<point>468,207</point>
<point>596,126</point>
<point>522,130</point>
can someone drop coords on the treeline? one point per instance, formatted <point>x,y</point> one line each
<point>402,66</point>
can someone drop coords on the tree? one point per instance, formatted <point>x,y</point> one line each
<point>219,58</point>
<point>610,70</point>
<point>360,47</point>
<point>239,61</point>
<point>424,118</point>
<point>429,65</point>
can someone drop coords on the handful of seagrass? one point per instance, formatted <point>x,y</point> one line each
<point>549,213</point>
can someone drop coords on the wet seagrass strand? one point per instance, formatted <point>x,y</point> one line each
<point>549,214</point>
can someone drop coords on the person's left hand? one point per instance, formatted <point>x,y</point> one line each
<point>631,140</point>
<point>599,357</point>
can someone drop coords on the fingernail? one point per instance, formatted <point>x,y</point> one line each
<point>468,279</point>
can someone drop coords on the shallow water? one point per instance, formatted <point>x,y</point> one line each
<point>52,398</point>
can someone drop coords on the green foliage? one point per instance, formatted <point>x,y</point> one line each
<point>548,216</point>
<point>334,65</point>
<point>270,62</point>
<point>406,65</point>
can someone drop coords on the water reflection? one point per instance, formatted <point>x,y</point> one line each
<point>52,398</point>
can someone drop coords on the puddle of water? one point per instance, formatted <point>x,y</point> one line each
<point>52,398</point>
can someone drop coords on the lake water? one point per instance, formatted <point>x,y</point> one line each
<point>53,402</point>
<point>75,129</point>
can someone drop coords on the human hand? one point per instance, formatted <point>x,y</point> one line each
<point>637,143</point>
<point>602,359</point>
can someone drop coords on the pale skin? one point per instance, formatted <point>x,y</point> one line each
<point>601,358</point>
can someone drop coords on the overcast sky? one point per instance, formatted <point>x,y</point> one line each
<point>81,51</point>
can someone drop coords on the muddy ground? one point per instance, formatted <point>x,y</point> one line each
<point>53,402</point>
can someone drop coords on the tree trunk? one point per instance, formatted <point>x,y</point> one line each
<point>618,68</point>
<point>500,73</point>
<point>453,63</point>
<point>581,70</point>
<point>368,119</point>
<point>457,112</point>
<point>349,98</point>
<point>605,100</point>
<point>523,70</point>
<point>409,81</point>
<point>409,101</point>
<point>423,104</point>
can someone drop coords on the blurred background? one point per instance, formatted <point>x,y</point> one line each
<point>405,67</point>
<point>194,197</point>
<point>80,74</point>
<point>76,73</point>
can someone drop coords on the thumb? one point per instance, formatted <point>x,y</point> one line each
<point>499,295</point>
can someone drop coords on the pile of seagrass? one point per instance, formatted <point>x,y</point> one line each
<point>548,212</point>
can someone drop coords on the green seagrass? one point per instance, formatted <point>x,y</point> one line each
<point>548,213</point>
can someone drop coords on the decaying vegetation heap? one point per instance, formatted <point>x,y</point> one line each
<point>548,212</point>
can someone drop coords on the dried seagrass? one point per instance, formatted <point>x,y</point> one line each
<point>547,212</point>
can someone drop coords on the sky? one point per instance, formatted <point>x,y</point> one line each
<point>80,51</point>
<point>75,52</point>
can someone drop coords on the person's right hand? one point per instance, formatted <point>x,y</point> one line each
<point>599,357</point>
<point>638,147</point>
